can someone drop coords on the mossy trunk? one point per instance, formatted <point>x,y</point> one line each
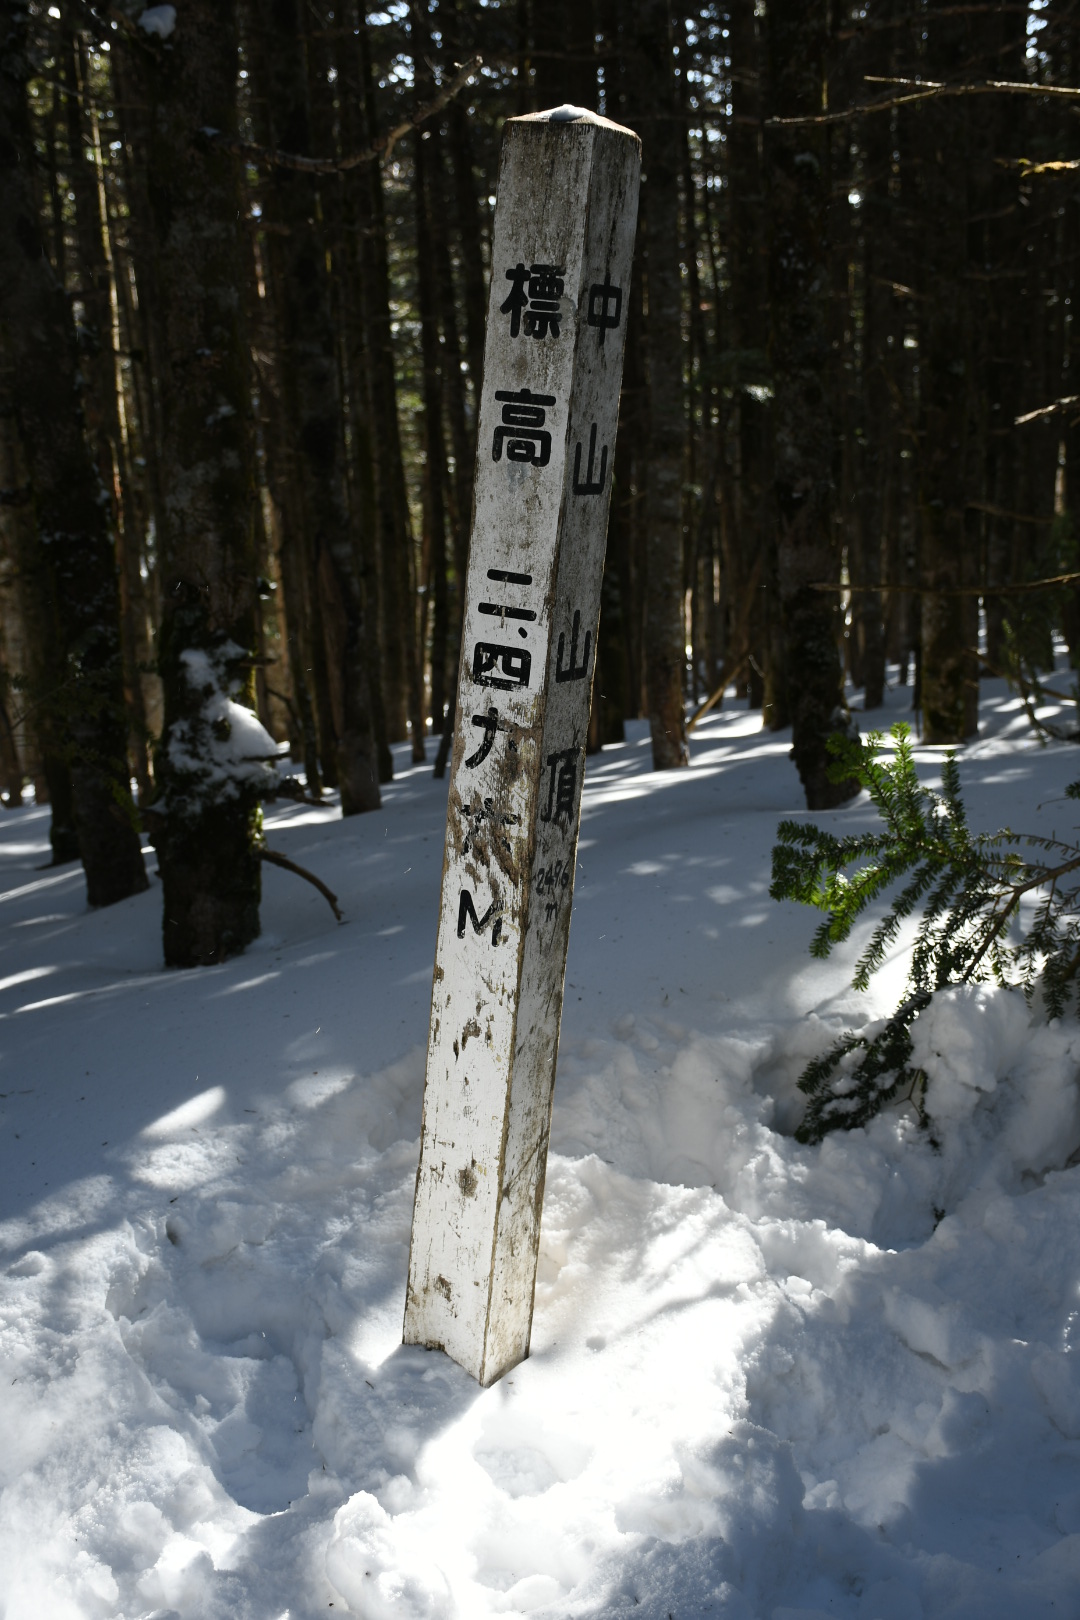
<point>207,812</point>
<point>70,563</point>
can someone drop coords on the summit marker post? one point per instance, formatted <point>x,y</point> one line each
<point>560,273</point>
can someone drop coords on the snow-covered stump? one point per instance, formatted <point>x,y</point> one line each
<point>561,256</point>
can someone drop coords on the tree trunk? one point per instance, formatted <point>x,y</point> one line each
<point>402,656</point>
<point>72,518</point>
<point>207,812</point>
<point>474,282</point>
<point>41,661</point>
<point>435,471</point>
<point>312,383</point>
<point>754,533</point>
<point>875,452</point>
<point>804,437</point>
<point>286,530</point>
<point>947,390</point>
<point>104,394</point>
<point>665,628</point>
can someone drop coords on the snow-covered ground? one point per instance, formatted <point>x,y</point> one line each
<point>767,1381</point>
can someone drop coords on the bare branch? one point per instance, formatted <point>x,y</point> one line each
<point>730,672</point>
<point>984,87</point>
<point>378,151</point>
<point>930,90</point>
<point>1027,168</point>
<point>735,662</point>
<point>284,862</point>
<point>1003,512</point>
<point>954,590</point>
<point>1069,402</point>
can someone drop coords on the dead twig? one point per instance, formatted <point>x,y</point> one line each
<point>736,662</point>
<point>284,862</point>
<point>289,788</point>
<point>1052,166</point>
<point>1003,512</point>
<point>379,150</point>
<point>954,590</point>
<point>1067,404</point>
<point>1031,693</point>
<point>730,672</point>
<point>927,90</point>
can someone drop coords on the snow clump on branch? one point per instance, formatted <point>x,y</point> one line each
<point>159,20</point>
<point>224,749</point>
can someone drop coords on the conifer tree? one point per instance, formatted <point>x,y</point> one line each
<point>965,891</point>
<point>210,764</point>
<point>70,563</point>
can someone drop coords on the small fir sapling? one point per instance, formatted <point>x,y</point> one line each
<point>966,890</point>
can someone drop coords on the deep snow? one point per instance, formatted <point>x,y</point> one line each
<point>764,1383</point>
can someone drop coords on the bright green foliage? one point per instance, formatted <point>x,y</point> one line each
<point>966,889</point>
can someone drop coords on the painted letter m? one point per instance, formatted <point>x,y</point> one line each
<point>467,913</point>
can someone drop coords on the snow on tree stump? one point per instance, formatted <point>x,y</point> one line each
<point>561,256</point>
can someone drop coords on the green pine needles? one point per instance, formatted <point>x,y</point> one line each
<point>968,891</point>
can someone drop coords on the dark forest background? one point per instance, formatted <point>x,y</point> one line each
<point>243,283</point>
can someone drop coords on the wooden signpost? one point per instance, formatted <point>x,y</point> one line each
<point>561,256</point>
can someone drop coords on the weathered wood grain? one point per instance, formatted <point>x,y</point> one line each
<point>563,243</point>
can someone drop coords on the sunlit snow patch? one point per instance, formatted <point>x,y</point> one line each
<point>193,1112</point>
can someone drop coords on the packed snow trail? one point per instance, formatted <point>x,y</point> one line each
<point>767,1381</point>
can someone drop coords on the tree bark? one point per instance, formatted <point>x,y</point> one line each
<point>947,391</point>
<point>104,396</point>
<point>312,384</point>
<point>207,812</point>
<point>754,533</point>
<point>665,628</point>
<point>40,661</point>
<point>875,450</point>
<point>804,437</point>
<point>286,530</point>
<point>77,562</point>
<point>435,549</point>
<point>401,653</point>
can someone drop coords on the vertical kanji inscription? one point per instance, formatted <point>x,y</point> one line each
<point>561,253</point>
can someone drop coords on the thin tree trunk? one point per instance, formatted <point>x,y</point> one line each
<point>947,391</point>
<point>41,666</point>
<point>104,395</point>
<point>665,628</point>
<point>876,451</point>
<point>72,520</point>
<point>312,383</point>
<point>804,440</point>
<point>326,132</point>
<point>432,392</point>
<point>755,532</point>
<point>401,651</point>
<point>467,209</point>
<point>286,531</point>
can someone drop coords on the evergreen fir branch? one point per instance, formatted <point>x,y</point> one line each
<point>967,891</point>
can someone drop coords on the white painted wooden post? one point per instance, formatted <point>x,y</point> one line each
<point>563,243</point>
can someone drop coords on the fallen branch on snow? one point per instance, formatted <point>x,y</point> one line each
<point>284,862</point>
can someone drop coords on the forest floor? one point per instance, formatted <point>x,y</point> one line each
<point>767,1382</point>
